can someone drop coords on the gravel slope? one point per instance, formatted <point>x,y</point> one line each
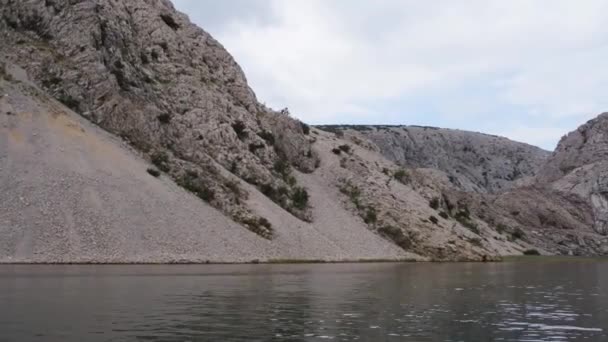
<point>70,192</point>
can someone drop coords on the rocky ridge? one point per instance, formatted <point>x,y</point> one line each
<point>472,161</point>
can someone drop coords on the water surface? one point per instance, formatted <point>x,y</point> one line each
<point>564,300</point>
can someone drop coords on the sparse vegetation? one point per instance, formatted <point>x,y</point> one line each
<point>196,185</point>
<point>161,161</point>
<point>282,167</point>
<point>305,128</point>
<point>532,252</point>
<point>371,216</point>
<point>336,151</point>
<point>345,148</point>
<point>518,234</point>
<point>299,198</point>
<point>239,128</point>
<point>353,192</point>
<point>434,220</point>
<point>69,101</point>
<point>253,147</point>
<point>444,215</point>
<point>397,235</point>
<point>267,136</point>
<point>259,225</point>
<point>434,203</point>
<point>164,118</point>
<point>402,176</point>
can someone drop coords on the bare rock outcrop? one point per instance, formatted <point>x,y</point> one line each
<point>141,70</point>
<point>473,161</point>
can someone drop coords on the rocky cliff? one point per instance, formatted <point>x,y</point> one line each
<point>472,161</point>
<point>128,134</point>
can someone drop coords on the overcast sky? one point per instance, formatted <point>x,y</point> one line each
<point>529,70</point>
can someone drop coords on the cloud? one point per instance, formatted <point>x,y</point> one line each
<point>477,65</point>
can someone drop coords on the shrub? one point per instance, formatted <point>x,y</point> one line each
<point>282,167</point>
<point>170,21</point>
<point>531,252</point>
<point>299,198</point>
<point>501,228</point>
<point>434,220</point>
<point>239,128</point>
<point>260,225</point>
<point>402,176</point>
<point>253,147</point>
<point>305,128</point>
<point>267,136</point>
<point>192,183</point>
<point>336,151</point>
<point>153,172</point>
<point>434,203</point>
<point>352,191</point>
<point>397,235</point>
<point>161,161</point>
<point>518,234</point>
<point>371,216</point>
<point>233,186</point>
<point>444,215</point>
<point>164,118</point>
<point>344,148</point>
<point>69,101</point>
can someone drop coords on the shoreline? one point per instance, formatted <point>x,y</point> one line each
<point>507,258</point>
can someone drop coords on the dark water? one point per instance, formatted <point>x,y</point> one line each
<point>511,301</point>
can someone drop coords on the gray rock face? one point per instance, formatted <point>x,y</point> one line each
<point>473,161</point>
<point>141,70</point>
<point>579,167</point>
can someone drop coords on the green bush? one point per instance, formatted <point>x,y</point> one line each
<point>402,176</point>
<point>282,167</point>
<point>397,236</point>
<point>267,136</point>
<point>299,198</point>
<point>434,203</point>
<point>191,182</point>
<point>371,216</point>
<point>161,161</point>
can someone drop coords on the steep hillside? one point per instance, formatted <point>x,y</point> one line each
<point>141,70</point>
<point>157,150</point>
<point>71,192</point>
<point>473,161</point>
<point>579,167</point>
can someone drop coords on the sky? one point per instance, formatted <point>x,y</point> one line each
<point>529,70</point>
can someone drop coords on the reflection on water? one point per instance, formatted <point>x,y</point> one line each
<point>511,301</point>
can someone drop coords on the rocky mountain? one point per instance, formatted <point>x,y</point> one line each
<point>472,161</point>
<point>128,134</point>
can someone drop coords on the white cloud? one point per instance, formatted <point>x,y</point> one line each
<point>345,59</point>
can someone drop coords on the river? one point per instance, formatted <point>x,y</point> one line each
<point>540,299</point>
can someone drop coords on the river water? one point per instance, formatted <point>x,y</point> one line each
<point>541,300</point>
